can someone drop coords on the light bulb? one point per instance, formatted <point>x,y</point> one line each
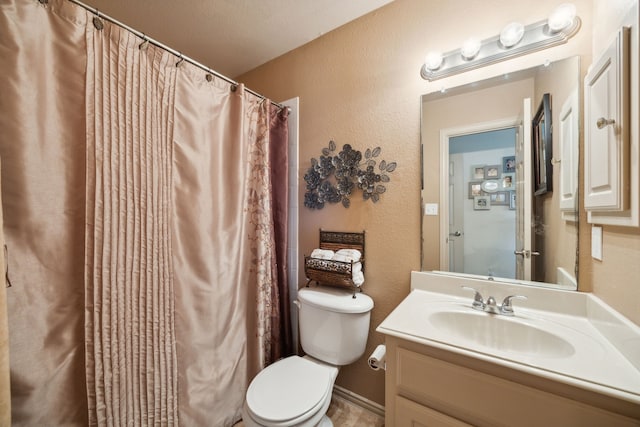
<point>433,61</point>
<point>511,34</point>
<point>561,17</point>
<point>470,48</point>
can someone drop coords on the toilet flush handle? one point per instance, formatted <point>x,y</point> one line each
<point>297,303</point>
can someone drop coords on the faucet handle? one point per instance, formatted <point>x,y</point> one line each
<point>506,307</point>
<point>478,302</point>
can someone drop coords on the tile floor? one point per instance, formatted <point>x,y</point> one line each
<point>346,414</point>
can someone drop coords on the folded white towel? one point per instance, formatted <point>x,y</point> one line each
<point>352,254</point>
<point>342,258</point>
<point>358,278</point>
<point>322,254</point>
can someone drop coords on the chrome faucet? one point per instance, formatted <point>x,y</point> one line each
<point>506,308</point>
<point>490,306</point>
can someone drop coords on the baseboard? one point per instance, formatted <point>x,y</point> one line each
<point>356,399</point>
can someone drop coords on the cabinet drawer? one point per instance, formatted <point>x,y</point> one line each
<point>410,414</point>
<point>485,400</point>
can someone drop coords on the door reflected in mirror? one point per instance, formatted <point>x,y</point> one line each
<point>478,165</point>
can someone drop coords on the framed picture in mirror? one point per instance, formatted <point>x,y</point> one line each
<point>477,172</point>
<point>481,203</point>
<point>490,186</point>
<point>509,164</point>
<point>492,172</point>
<point>475,189</point>
<point>500,198</point>
<point>508,181</point>
<point>541,146</point>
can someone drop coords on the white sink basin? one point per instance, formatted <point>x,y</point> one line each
<point>501,333</point>
<point>571,337</point>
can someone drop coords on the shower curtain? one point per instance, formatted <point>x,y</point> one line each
<point>141,210</point>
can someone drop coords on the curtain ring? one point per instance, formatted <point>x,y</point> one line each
<point>144,44</point>
<point>97,22</point>
<point>209,77</point>
<point>284,112</point>
<point>180,61</point>
<point>43,1</point>
<point>234,88</point>
<point>6,267</point>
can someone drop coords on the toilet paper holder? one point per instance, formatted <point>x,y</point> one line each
<point>377,359</point>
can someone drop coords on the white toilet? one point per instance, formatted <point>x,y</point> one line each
<point>296,391</point>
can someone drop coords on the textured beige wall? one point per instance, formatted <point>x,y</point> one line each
<point>615,279</point>
<point>360,84</point>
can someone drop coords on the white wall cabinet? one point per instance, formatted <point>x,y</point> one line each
<point>607,129</point>
<point>610,144</point>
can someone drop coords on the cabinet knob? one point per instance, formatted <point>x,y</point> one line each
<point>602,122</point>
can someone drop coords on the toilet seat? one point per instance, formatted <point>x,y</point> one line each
<point>289,391</point>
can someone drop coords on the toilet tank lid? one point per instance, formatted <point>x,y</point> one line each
<point>336,300</point>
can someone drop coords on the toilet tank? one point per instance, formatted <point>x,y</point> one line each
<point>334,325</point>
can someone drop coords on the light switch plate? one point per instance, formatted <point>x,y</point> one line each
<point>596,242</point>
<point>431,209</point>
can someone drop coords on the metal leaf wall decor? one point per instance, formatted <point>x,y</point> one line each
<point>333,177</point>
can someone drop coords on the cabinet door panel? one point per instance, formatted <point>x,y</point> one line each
<point>606,129</point>
<point>569,142</point>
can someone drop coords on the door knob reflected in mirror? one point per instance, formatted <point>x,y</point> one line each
<point>602,122</point>
<point>526,253</point>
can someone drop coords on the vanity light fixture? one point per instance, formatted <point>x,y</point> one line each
<point>433,61</point>
<point>470,48</point>
<point>562,17</point>
<point>511,34</point>
<point>513,41</point>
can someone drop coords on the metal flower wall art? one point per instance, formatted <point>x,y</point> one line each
<point>333,177</point>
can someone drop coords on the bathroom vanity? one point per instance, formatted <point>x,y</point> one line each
<point>562,358</point>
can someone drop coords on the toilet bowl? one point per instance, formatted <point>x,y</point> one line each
<point>295,391</point>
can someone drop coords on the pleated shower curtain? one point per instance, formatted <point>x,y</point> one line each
<point>129,310</point>
<point>139,216</point>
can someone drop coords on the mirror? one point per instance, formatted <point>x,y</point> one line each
<point>480,213</point>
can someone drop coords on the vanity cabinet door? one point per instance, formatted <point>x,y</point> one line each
<point>433,392</point>
<point>411,414</point>
<point>607,129</point>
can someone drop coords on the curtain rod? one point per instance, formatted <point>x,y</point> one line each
<point>174,52</point>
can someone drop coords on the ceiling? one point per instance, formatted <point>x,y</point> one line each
<point>234,36</point>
